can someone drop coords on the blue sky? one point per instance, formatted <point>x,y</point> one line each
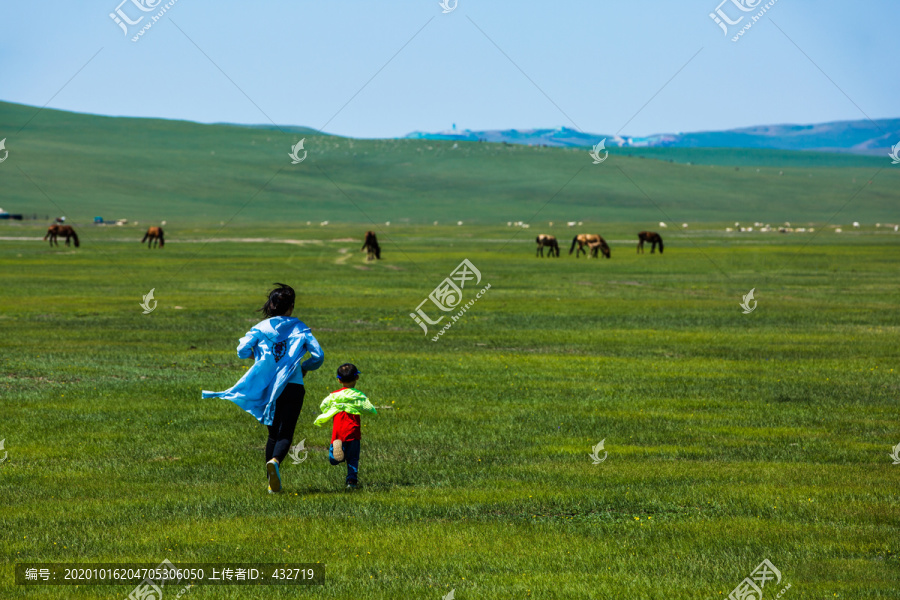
<point>376,69</point>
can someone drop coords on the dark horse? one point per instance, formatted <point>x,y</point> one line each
<point>550,242</point>
<point>371,245</point>
<point>154,234</point>
<point>57,230</point>
<point>652,237</point>
<point>592,241</point>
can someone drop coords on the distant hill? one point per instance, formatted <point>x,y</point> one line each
<point>150,170</point>
<point>854,137</point>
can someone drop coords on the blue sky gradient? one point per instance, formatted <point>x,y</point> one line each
<point>373,69</point>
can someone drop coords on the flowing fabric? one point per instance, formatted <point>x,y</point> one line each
<point>278,345</point>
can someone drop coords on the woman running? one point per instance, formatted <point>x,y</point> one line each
<point>272,389</point>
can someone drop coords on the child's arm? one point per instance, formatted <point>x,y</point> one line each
<point>326,410</point>
<point>366,406</point>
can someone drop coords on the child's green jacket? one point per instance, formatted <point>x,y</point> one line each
<point>348,400</point>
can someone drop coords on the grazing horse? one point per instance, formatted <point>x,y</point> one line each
<point>55,231</point>
<point>652,237</point>
<point>550,242</point>
<point>371,245</point>
<point>154,234</point>
<point>600,245</point>
<point>593,241</point>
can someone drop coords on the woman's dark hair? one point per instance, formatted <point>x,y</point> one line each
<point>280,301</point>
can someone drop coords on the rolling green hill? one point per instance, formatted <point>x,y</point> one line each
<point>151,170</point>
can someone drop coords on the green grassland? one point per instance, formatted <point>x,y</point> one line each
<point>732,438</point>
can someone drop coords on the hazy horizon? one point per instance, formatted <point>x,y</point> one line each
<point>459,129</point>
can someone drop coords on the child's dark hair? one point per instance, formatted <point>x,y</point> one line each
<point>347,372</point>
<point>281,300</point>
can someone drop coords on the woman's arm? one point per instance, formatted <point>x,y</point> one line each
<point>246,345</point>
<point>316,356</point>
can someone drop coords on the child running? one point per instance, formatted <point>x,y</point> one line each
<point>272,389</point>
<point>345,405</point>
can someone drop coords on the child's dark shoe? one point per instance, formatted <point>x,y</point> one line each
<point>352,485</point>
<point>338,450</point>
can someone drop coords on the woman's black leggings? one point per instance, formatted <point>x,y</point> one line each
<point>287,411</point>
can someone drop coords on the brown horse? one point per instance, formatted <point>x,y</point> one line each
<point>550,242</point>
<point>652,237</point>
<point>154,234</point>
<point>591,240</point>
<point>601,246</point>
<point>55,231</point>
<point>371,245</point>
